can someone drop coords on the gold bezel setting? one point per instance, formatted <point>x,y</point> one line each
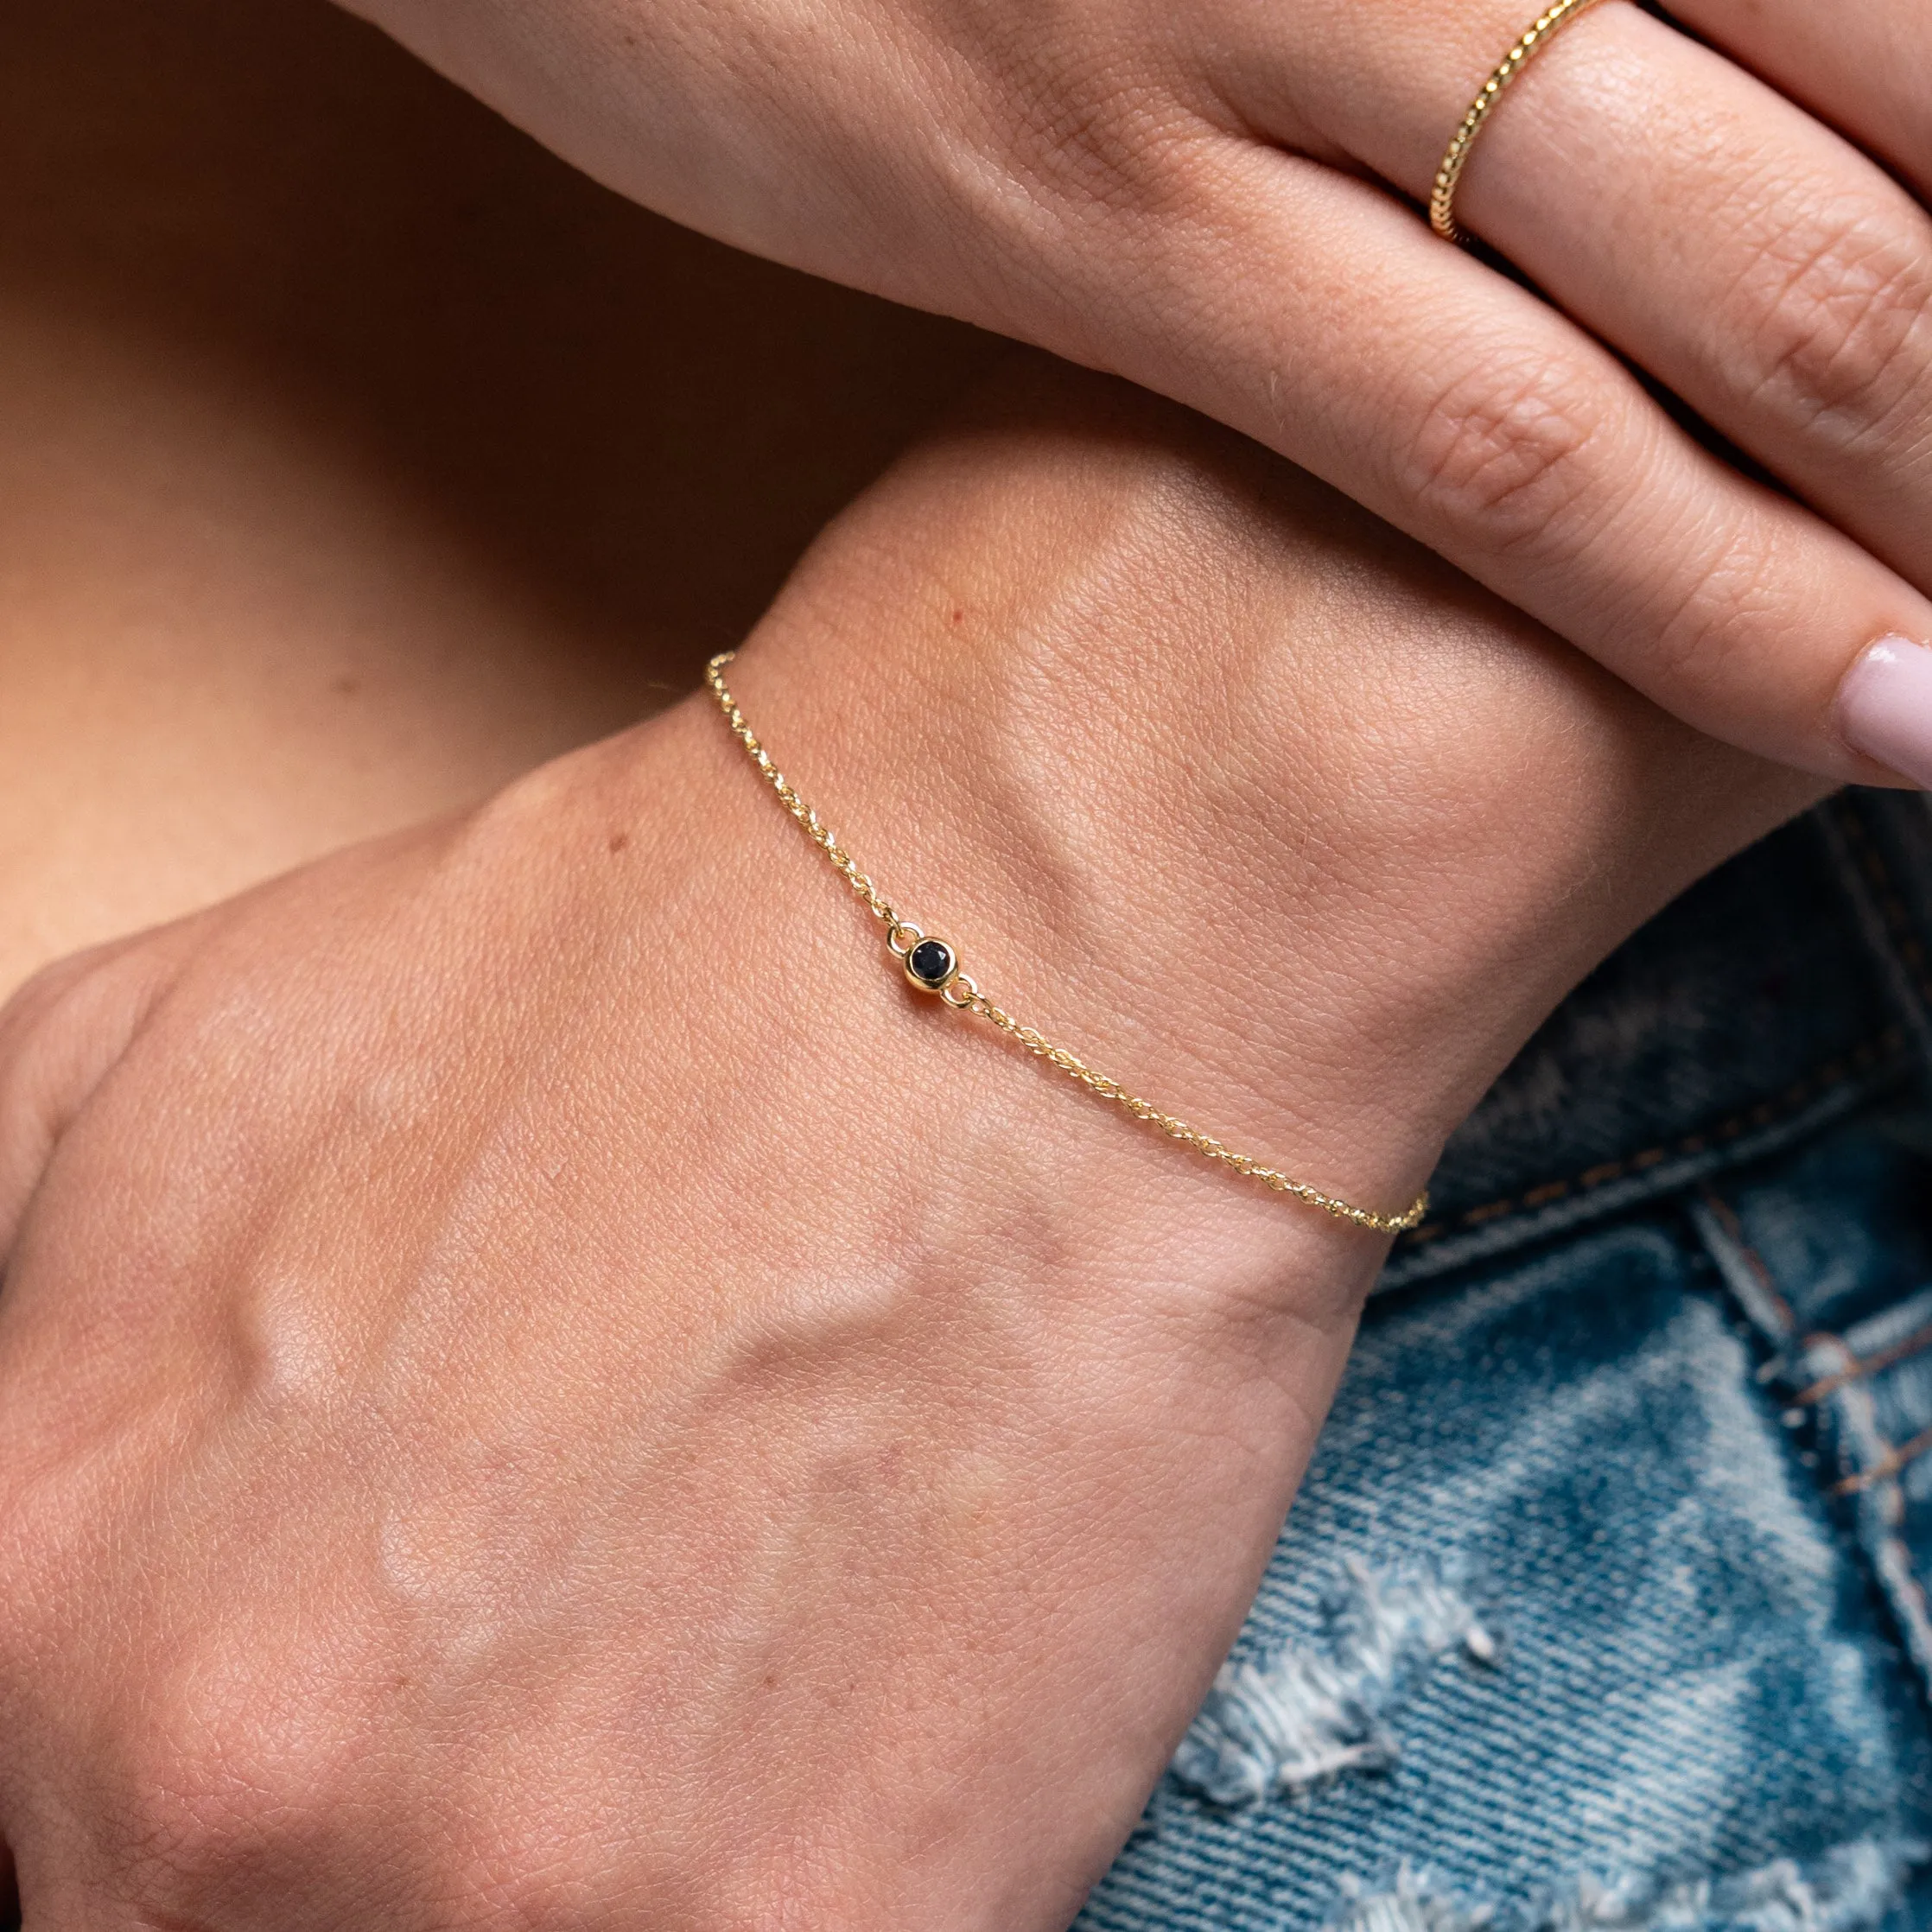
<point>948,963</point>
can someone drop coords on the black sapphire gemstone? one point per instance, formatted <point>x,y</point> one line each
<point>931,963</point>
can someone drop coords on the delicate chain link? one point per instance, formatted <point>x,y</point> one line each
<point>964,995</point>
<point>1545,28</point>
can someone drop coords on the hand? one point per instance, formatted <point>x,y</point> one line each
<point>1199,197</point>
<point>544,1388</point>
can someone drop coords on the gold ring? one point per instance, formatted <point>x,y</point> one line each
<point>1442,200</point>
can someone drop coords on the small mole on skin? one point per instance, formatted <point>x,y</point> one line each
<point>618,841</point>
<point>959,616</point>
<point>346,686</point>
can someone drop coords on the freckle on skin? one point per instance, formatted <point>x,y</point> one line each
<point>346,686</point>
<point>618,841</point>
<point>959,616</point>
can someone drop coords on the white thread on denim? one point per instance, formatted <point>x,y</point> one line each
<point>1415,1902</point>
<point>1310,1714</point>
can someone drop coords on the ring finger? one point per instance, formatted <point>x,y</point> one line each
<point>1728,242</point>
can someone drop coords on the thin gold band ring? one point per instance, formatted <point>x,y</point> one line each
<point>1442,199</point>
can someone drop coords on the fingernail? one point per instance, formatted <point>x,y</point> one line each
<point>1884,707</point>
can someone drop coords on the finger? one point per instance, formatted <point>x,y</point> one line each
<point>1469,413</point>
<point>1748,257</point>
<point>59,1035</point>
<point>1866,69</point>
<point>1128,223</point>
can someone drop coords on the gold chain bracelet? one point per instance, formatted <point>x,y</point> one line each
<point>931,965</point>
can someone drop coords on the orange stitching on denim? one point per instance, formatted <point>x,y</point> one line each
<point>1887,1466</point>
<point>1914,1343</point>
<point>1833,1073</point>
<point>1727,1216</point>
<point>1891,1459</point>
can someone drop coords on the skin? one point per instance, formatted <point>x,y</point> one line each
<point>307,530</point>
<point>1214,201</point>
<point>546,1388</point>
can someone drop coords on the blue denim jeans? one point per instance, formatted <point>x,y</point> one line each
<point>1602,1605</point>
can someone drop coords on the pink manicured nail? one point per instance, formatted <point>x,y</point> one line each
<point>1884,707</point>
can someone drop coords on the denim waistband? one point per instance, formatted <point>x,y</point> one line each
<point>1790,986</point>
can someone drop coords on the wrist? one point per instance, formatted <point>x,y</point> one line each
<point>1221,786</point>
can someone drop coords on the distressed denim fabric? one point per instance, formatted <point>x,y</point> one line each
<point>1602,1605</point>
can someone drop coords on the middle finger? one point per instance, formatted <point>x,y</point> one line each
<point>1746,256</point>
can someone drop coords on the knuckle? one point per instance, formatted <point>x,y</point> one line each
<point>1502,453</point>
<point>36,1009</point>
<point>1836,312</point>
<point>225,1777</point>
<point>1707,637</point>
<point>188,1817</point>
<point>1091,125</point>
<point>76,1011</point>
<point>58,1035</point>
<point>1120,151</point>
